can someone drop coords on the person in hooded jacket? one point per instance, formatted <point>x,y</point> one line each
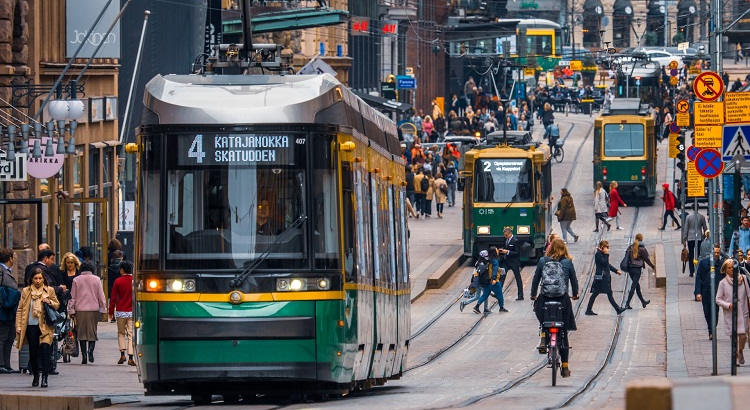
<point>670,201</point>
<point>485,282</point>
<point>637,259</point>
<point>602,280</point>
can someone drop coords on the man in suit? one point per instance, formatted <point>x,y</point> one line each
<point>512,258</point>
<point>703,284</point>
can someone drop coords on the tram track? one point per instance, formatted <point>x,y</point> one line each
<point>542,364</point>
<point>441,313</point>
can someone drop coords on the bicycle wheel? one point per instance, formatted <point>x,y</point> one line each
<point>559,154</point>
<point>553,355</point>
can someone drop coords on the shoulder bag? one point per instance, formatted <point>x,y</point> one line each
<point>52,317</point>
<point>625,262</point>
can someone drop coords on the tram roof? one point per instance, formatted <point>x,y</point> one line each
<point>263,100</point>
<point>626,106</point>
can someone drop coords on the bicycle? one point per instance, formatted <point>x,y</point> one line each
<point>552,134</point>
<point>558,153</point>
<point>553,326</point>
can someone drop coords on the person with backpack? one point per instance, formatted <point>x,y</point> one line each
<point>670,202</point>
<point>421,185</point>
<point>483,272</point>
<point>636,258</point>
<point>602,279</point>
<point>553,272</point>
<point>429,183</point>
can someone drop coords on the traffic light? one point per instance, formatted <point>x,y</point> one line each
<point>680,152</point>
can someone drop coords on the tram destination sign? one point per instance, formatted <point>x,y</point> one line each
<point>237,149</point>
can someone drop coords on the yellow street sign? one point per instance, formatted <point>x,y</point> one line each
<point>576,65</point>
<point>683,106</point>
<point>707,136</point>
<point>674,147</point>
<point>529,72</point>
<point>708,113</point>
<point>737,107</point>
<point>673,64</point>
<point>683,119</point>
<point>696,184</point>
<point>694,70</point>
<point>674,80</point>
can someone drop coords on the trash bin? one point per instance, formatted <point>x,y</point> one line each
<point>586,105</point>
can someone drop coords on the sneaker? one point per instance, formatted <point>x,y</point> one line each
<point>461,306</point>
<point>590,313</point>
<point>678,228</point>
<point>502,309</point>
<point>576,238</point>
<point>487,311</point>
<point>476,310</point>
<point>619,228</point>
<point>609,218</point>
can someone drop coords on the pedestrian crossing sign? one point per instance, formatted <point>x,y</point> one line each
<point>736,141</point>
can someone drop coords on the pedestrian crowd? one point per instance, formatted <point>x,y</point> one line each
<point>431,176</point>
<point>54,311</point>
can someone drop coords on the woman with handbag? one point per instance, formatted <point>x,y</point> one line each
<point>602,279</point>
<point>86,305</point>
<point>724,300</point>
<point>36,310</point>
<point>636,258</point>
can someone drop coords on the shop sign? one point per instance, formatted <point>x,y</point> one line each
<point>13,170</point>
<point>78,17</point>
<point>44,166</point>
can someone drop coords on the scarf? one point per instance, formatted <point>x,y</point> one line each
<point>36,295</point>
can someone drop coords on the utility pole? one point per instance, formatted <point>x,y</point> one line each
<point>713,184</point>
<point>666,24</point>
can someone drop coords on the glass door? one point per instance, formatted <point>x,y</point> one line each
<point>84,228</point>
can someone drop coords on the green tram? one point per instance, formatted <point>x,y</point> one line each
<point>625,149</point>
<point>271,240</point>
<point>508,184</point>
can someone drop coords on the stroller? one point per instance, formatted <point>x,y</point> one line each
<point>64,333</point>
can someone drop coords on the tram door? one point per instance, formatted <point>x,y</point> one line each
<point>83,223</point>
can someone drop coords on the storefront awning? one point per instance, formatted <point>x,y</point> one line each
<point>622,8</point>
<point>383,104</point>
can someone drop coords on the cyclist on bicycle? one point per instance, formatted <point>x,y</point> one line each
<point>553,134</point>
<point>554,271</point>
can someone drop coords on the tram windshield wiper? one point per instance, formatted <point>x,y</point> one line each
<point>250,266</point>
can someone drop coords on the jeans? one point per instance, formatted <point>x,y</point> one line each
<point>452,193</point>
<point>7,336</point>
<point>566,229</point>
<point>674,218</point>
<point>38,352</point>
<point>486,290</point>
<point>427,206</point>
<point>497,290</point>
<point>635,276</point>
<point>419,202</point>
<point>746,183</point>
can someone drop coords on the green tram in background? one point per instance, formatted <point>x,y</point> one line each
<point>271,240</point>
<point>625,149</point>
<point>508,184</point>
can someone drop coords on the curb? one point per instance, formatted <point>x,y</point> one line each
<point>25,402</point>
<point>661,393</point>
<point>444,272</point>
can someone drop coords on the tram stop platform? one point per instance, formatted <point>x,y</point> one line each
<point>435,248</point>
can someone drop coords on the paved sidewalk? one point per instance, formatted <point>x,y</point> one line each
<point>435,245</point>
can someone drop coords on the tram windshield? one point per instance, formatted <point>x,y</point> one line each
<point>232,198</point>
<point>503,180</point>
<point>623,140</point>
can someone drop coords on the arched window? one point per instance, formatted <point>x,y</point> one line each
<point>622,16</point>
<point>592,20</point>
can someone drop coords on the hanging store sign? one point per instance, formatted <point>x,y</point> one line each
<point>15,170</point>
<point>44,166</point>
<point>78,17</point>
<point>237,149</point>
<point>389,27</point>
<point>360,26</point>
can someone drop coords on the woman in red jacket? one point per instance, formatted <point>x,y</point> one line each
<point>614,204</point>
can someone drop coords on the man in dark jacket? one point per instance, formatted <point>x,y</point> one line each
<point>703,284</point>
<point>46,261</point>
<point>483,269</point>
<point>113,270</point>
<point>9,297</point>
<point>512,258</point>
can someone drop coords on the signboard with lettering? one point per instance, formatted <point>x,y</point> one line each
<point>406,82</point>
<point>708,113</point>
<point>237,149</point>
<point>696,184</point>
<point>360,26</point>
<point>44,166</point>
<point>13,170</point>
<point>682,119</point>
<point>707,136</point>
<point>737,107</point>
<point>576,65</point>
<point>79,14</point>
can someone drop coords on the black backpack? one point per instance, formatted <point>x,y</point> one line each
<point>424,184</point>
<point>554,280</point>
<point>484,273</point>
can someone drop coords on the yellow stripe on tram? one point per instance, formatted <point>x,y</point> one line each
<point>246,297</point>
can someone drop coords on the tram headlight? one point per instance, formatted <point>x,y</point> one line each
<point>483,230</point>
<point>523,229</point>
<point>299,284</point>
<point>180,285</point>
<point>296,284</point>
<point>152,285</point>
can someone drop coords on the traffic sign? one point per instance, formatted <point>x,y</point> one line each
<point>694,70</point>
<point>737,107</point>
<point>708,163</point>
<point>682,119</point>
<point>406,82</point>
<point>708,86</point>
<point>708,113</point>
<point>529,72</point>
<point>674,80</point>
<point>696,184</point>
<point>673,72</point>
<point>673,65</point>
<point>674,145</point>
<point>692,152</point>
<point>674,128</point>
<point>707,136</point>
<point>576,65</point>
<point>736,141</point>
<point>15,170</point>
<point>683,106</point>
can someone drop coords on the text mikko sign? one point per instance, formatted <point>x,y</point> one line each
<point>79,15</point>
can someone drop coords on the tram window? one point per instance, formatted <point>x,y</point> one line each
<point>392,232</point>
<point>623,140</point>
<point>347,190</point>
<point>324,209</point>
<point>150,203</point>
<point>538,45</point>
<point>503,180</point>
<point>222,215</point>
<point>404,229</point>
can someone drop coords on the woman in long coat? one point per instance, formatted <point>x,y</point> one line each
<point>566,214</point>
<point>429,195</point>
<point>600,206</point>
<point>614,203</point>
<point>724,300</point>
<point>32,327</point>
<point>440,197</point>
<point>87,303</point>
<point>602,279</point>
